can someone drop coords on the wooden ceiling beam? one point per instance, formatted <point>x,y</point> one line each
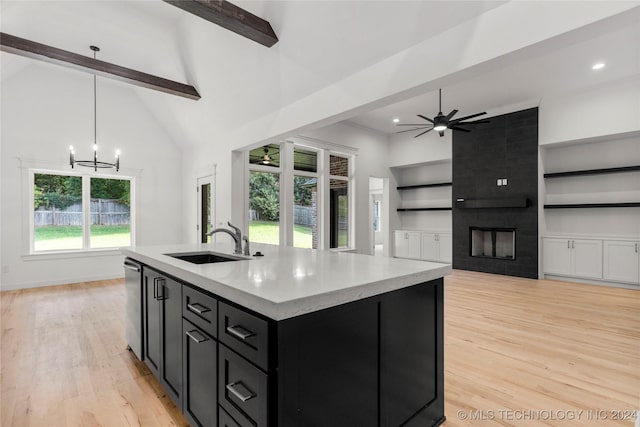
<point>53,55</point>
<point>231,17</point>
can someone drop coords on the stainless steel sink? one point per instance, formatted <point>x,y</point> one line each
<point>204,257</point>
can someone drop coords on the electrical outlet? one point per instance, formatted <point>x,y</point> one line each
<point>504,181</point>
<point>499,182</point>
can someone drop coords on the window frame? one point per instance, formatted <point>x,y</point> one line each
<point>349,179</point>
<point>286,171</point>
<point>86,210</point>
<point>279,170</point>
<point>317,175</point>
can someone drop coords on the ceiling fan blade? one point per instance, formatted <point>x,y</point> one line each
<point>410,130</point>
<point>412,124</point>
<point>458,128</point>
<point>467,117</point>
<point>451,114</point>
<point>475,122</point>
<point>426,118</point>
<point>423,132</point>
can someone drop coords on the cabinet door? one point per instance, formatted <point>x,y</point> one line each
<point>430,247</point>
<point>151,315</point>
<point>445,247</point>
<point>557,256</point>
<point>408,328</point>
<point>401,244</point>
<point>200,376</point>
<point>170,296</point>
<point>621,261</point>
<point>587,258</point>
<point>415,244</point>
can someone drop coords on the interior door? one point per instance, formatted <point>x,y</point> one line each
<point>205,208</point>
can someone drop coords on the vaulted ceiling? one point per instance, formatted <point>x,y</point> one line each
<point>240,81</point>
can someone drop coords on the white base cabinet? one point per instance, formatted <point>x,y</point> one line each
<point>622,261</point>
<point>428,246</point>
<point>407,244</point>
<point>437,247</point>
<point>573,257</point>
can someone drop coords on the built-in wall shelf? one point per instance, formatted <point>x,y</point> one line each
<point>412,187</point>
<point>507,202</point>
<point>442,208</point>
<point>593,205</point>
<point>593,172</point>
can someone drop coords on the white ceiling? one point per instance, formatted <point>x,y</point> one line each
<point>239,80</point>
<point>321,42</point>
<point>551,72</point>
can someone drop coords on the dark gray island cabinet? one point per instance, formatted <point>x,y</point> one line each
<point>372,361</point>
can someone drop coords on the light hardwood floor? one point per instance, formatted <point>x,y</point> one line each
<point>517,352</point>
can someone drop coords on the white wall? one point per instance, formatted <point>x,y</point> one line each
<point>371,161</point>
<point>605,110</point>
<point>44,110</point>
<point>611,188</point>
<point>405,150</point>
<point>440,171</point>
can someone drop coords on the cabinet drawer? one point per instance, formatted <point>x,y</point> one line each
<point>226,420</point>
<point>245,333</point>
<point>200,309</point>
<point>199,373</point>
<point>242,389</point>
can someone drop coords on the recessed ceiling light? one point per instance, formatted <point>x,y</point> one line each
<point>598,66</point>
<point>396,120</point>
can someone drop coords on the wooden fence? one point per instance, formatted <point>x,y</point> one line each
<point>103,212</point>
<point>302,215</point>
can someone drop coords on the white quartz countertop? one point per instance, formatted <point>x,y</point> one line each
<point>288,282</point>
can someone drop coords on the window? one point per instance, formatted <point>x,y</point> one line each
<point>305,198</point>
<point>268,156</point>
<point>289,183</point>
<point>339,219</point>
<point>75,212</point>
<point>264,207</point>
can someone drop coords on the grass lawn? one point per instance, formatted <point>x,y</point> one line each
<point>269,232</point>
<point>70,237</point>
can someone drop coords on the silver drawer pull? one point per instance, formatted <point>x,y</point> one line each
<point>131,267</point>
<point>240,332</point>
<point>192,335</point>
<point>198,308</point>
<point>240,391</point>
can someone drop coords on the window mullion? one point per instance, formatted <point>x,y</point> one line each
<point>86,211</point>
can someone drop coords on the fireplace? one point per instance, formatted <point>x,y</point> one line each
<point>497,243</point>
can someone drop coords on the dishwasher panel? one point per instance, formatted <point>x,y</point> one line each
<point>133,323</point>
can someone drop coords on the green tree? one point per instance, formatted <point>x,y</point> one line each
<point>57,190</point>
<point>114,189</point>
<point>264,195</point>
<point>301,193</point>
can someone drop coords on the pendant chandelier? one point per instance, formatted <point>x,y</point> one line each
<point>95,164</point>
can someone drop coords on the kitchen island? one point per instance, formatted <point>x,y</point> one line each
<point>296,337</point>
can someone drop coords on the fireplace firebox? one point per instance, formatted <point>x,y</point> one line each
<point>497,243</point>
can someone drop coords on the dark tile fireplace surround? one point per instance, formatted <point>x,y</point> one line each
<point>502,218</point>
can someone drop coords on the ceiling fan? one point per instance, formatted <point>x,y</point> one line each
<point>440,122</point>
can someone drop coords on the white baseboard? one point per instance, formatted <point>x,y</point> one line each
<point>591,282</point>
<point>41,284</point>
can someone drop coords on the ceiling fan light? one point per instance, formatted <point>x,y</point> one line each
<point>440,127</point>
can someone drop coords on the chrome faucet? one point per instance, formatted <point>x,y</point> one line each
<point>236,234</point>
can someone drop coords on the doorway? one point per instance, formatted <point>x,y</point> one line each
<point>205,208</point>
<point>377,216</point>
